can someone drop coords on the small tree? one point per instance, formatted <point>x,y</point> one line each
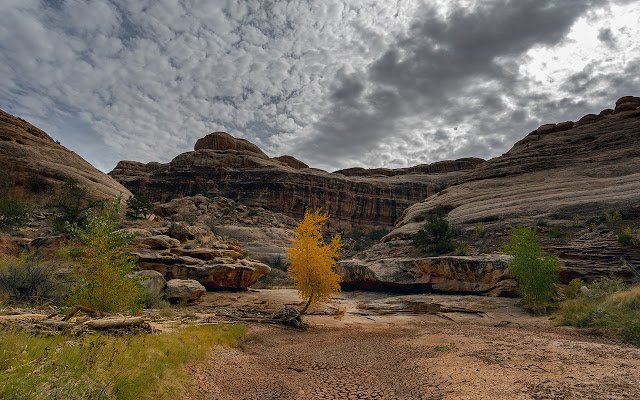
<point>435,236</point>
<point>312,261</point>
<point>536,270</point>
<point>70,207</point>
<point>139,206</point>
<point>104,265</point>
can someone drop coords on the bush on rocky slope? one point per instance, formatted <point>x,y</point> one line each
<point>607,307</point>
<point>535,270</point>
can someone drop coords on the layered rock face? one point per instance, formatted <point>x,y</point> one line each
<point>224,166</point>
<point>573,176</point>
<point>35,163</point>
<point>200,256</point>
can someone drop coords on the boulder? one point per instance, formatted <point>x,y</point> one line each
<point>159,242</point>
<point>152,281</point>
<point>183,290</point>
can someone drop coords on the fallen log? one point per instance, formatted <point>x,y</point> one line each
<point>114,323</point>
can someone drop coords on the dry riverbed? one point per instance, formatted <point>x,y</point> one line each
<point>374,346</point>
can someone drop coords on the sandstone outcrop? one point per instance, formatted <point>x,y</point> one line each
<point>485,274</point>
<point>206,258</point>
<point>565,178</point>
<point>36,164</point>
<point>233,168</point>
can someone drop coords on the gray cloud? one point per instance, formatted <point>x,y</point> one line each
<point>456,69</point>
<point>334,83</point>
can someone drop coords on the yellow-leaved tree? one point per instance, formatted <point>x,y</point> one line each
<point>312,261</point>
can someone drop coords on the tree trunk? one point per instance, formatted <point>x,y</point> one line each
<point>304,309</point>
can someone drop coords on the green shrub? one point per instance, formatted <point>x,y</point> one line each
<point>612,216</point>
<point>70,207</point>
<point>139,206</point>
<point>535,270</point>
<point>103,284</point>
<point>13,213</point>
<point>25,279</point>
<point>557,233</point>
<point>615,313</point>
<point>629,238</point>
<point>463,249</point>
<point>435,236</point>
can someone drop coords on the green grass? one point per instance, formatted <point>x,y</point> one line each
<point>616,314</point>
<point>147,366</point>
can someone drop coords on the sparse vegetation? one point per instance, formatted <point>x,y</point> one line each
<point>103,284</point>
<point>190,219</point>
<point>463,249</point>
<point>313,261</point>
<point>148,366</point>
<point>612,215</point>
<point>25,279</point>
<point>535,270</point>
<point>358,240</point>
<point>13,213</point>
<point>139,206</point>
<point>629,238</point>
<point>480,230</point>
<point>557,233</point>
<point>609,308</point>
<point>436,236</point>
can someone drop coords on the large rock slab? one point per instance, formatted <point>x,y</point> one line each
<point>37,164</point>
<point>481,275</point>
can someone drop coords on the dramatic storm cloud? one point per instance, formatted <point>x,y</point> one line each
<point>336,84</point>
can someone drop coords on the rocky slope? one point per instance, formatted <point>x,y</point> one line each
<point>578,181</point>
<point>221,165</point>
<point>36,164</point>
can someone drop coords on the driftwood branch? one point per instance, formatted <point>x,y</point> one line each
<point>288,317</point>
<point>84,309</point>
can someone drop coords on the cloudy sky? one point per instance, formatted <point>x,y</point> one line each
<point>334,83</point>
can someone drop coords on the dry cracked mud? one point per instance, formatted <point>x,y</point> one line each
<point>417,356</point>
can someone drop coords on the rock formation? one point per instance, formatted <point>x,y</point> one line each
<point>36,164</point>
<point>221,165</point>
<point>570,178</point>
<point>201,256</point>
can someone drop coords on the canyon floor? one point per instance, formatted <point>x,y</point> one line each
<point>377,346</point>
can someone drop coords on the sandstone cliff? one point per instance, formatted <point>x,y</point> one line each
<point>224,166</point>
<point>579,182</point>
<point>35,163</point>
